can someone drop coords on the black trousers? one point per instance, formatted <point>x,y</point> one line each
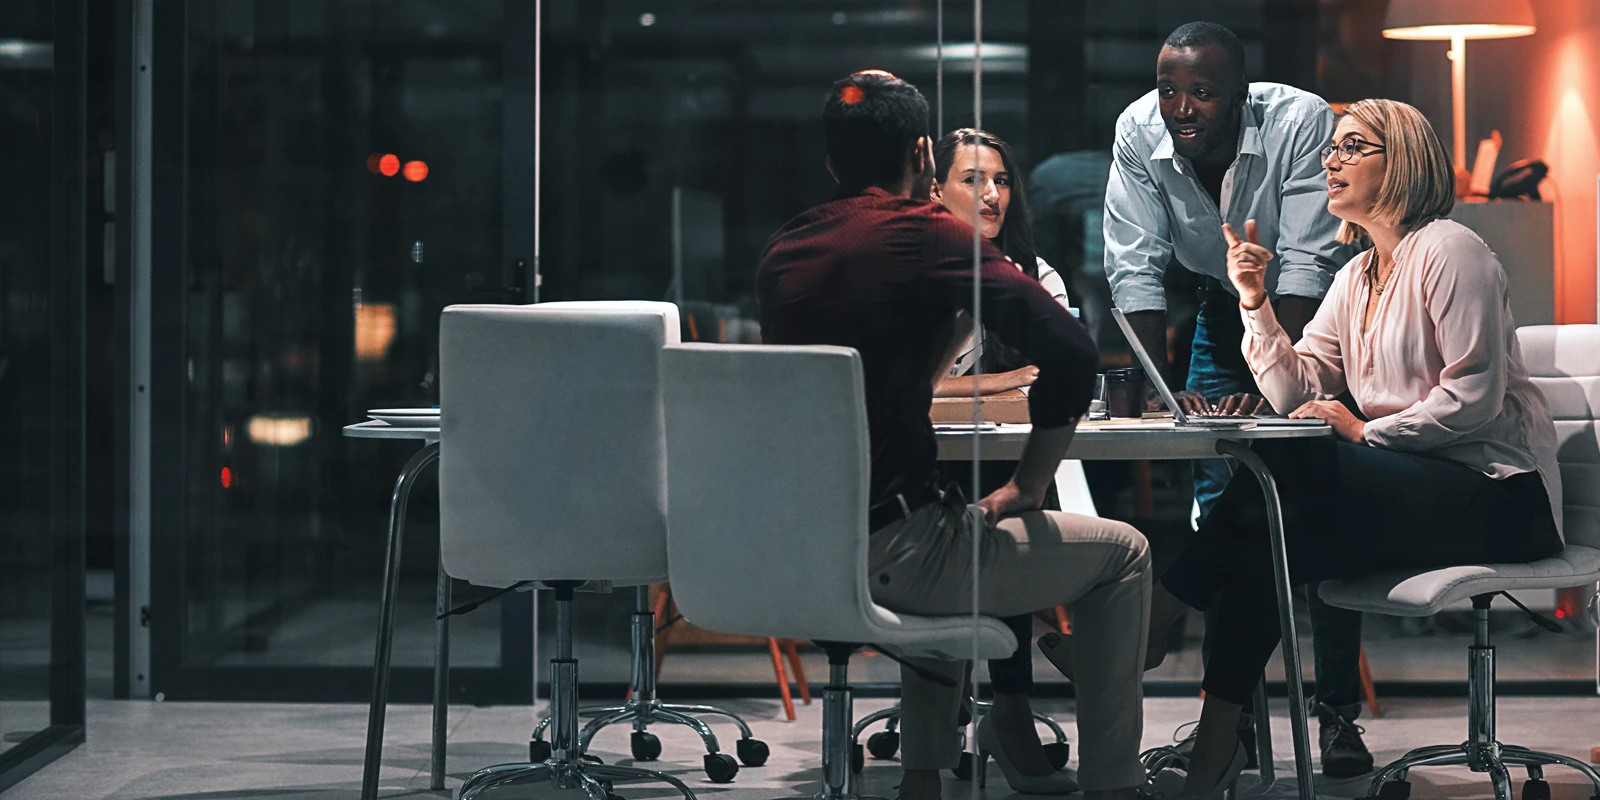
<point>1349,510</point>
<point>1014,673</point>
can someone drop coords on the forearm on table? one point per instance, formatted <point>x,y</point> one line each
<point>966,386</point>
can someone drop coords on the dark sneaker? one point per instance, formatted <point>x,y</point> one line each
<point>1344,755</point>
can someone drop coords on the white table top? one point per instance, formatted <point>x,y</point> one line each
<point>376,429</point>
<point>1148,441</point>
<point>1152,441</point>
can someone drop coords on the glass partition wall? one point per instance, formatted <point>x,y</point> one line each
<point>42,273</point>
<point>337,173</point>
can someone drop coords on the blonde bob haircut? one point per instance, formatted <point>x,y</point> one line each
<point>1419,182</point>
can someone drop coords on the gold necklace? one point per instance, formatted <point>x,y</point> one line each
<point>1372,277</point>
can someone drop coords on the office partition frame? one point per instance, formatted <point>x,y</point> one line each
<point>67,275</point>
<point>156,278</point>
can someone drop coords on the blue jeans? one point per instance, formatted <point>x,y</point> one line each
<point>1217,368</point>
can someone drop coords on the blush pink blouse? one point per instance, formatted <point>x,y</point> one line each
<point>1438,373</point>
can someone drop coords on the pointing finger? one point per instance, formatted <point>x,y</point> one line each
<point>1227,233</point>
<point>1250,231</point>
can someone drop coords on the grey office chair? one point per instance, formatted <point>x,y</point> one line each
<point>642,706</point>
<point>1564,361</point>
<point>552,469</point>
<point>767,452</point>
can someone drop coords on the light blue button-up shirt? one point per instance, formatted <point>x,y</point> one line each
<point>1157,210</point>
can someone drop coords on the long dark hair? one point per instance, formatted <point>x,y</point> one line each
<point>1016,233</point>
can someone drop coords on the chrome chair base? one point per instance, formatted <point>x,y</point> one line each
<point>643,708</point>
<point>594,779</point>
<point>1481,752</point>
<point>884,743</point>
<point>566,767</point>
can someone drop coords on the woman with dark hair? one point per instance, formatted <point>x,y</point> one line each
<point>976,178</point>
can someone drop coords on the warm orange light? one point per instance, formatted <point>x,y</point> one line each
<point>389,164</point>
<point>850,95</point>
<point>415,171</point>
<point>375,328</point>
<point>1448,32</point>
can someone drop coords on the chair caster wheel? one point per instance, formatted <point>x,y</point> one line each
<point>858,758</point>
<point>720,767</point>
<point>883,744</point>
<point>752,752</point>
<point>1058,753</point>
<point>1535,790</point>
<point>1394,790</point>
<point>644,746</point>
<point>538,751</point>
<point>963,770</point>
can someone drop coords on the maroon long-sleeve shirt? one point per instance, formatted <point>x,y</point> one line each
<point>886,275</point>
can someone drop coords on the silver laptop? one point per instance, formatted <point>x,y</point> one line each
<point>1178,414</point>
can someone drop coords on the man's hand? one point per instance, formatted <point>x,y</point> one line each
<point>1247,265</point>
<point>1007,501</point>
<point>1334,413</point>
<point>1242,404</point>
<point>1192,402</point>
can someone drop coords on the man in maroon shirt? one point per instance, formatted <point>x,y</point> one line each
<point>884,271</point>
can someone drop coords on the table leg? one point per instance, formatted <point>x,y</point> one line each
<point>441,674</point>
<point>1263,720</point>
<point>391,585</point>
<point>1291,642</point>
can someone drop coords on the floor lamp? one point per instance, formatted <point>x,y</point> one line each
<point>1456,21</point>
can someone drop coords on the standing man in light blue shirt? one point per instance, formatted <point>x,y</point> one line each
<point>1207,148</point>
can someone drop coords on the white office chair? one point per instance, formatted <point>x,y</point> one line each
<point>1564,361</point>
<point>552,469</point>
<point>642,706</point>
<point>767,451</point>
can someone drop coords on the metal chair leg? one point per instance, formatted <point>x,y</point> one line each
<point>372,760</point>
<point>441,676</point>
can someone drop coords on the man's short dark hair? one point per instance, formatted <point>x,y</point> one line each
<point>1206,34</point>
<point>870,121</point>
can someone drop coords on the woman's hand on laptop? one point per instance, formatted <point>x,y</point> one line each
<point>1336,415</point>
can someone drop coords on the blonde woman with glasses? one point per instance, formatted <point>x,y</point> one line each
<point>1451,459</point>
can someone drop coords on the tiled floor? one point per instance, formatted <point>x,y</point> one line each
<point>202,751</point>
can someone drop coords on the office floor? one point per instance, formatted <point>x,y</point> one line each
<point>204,751</point>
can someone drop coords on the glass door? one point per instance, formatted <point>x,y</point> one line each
<point>326,178</point>
<point>42,272</point>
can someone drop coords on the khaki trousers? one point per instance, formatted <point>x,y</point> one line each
<point>1099,568</point>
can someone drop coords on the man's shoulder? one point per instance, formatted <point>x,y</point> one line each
<point>1277,103</point>
<point>1140,114</point>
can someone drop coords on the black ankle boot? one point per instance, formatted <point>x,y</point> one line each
<point>1344,755</point>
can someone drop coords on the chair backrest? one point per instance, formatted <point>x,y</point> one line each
<point>1564,362</point>
<point>768,463</point>
<point>552,461</point>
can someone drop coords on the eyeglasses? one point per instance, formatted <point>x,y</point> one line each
<point>1350,151</point>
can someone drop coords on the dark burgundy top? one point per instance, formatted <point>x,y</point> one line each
<point>886,275</point>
